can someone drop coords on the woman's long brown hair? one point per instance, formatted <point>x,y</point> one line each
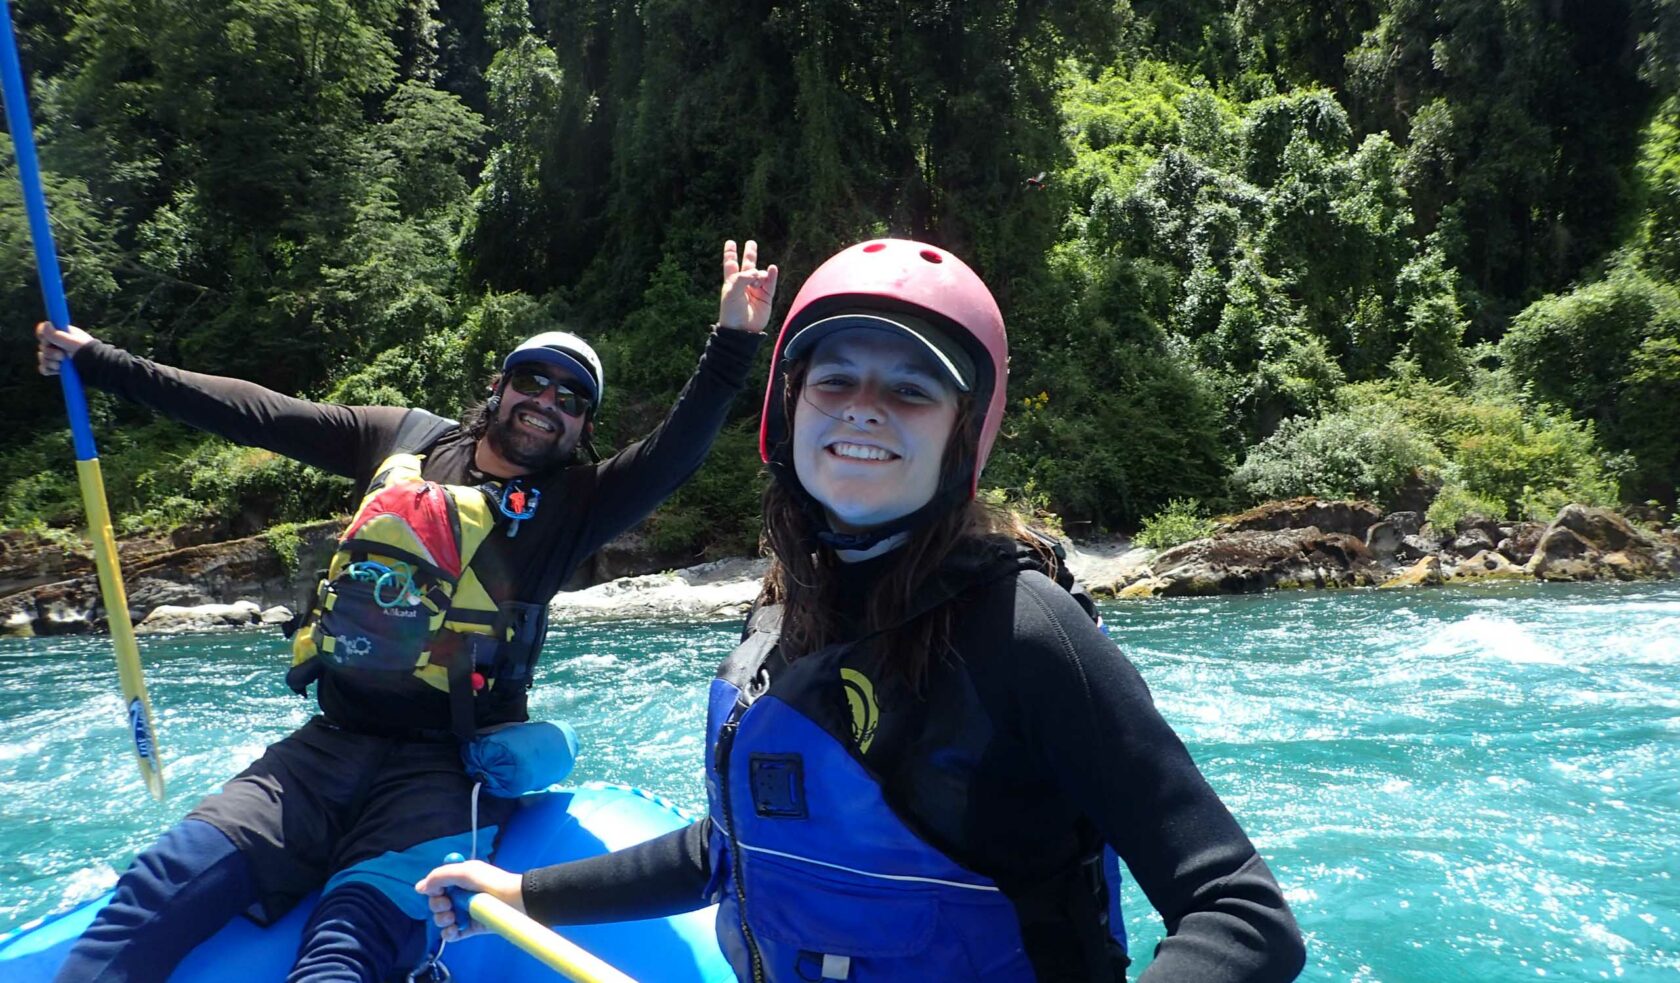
<point>802,575</point>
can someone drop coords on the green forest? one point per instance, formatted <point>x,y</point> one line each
<point>1421,252</point>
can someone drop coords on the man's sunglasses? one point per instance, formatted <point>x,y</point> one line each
<point>532,382</point>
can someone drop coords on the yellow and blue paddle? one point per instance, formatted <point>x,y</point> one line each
<point>547,946</point>
<point>87,455</point>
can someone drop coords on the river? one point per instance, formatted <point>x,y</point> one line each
<point>1464,784</point>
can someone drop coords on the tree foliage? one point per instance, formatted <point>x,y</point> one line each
<point>1215,229</point>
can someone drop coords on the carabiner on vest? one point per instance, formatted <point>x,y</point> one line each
<point>518,504</point>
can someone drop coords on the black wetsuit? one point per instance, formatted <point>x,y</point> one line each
<point>1037,738</point>
<point>370,790</point>
<point>582,506</point>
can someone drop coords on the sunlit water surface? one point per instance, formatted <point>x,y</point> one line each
<point>1474,784</point>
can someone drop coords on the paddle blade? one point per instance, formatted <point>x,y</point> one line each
<point>111,590</point>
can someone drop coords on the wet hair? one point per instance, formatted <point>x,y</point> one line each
<point>803,572</point>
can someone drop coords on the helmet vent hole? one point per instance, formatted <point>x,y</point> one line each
<point>874,247</point>
<point>932,256</point>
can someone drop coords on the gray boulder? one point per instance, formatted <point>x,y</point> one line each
<point>1384,540</point>
<point>1472,541</point>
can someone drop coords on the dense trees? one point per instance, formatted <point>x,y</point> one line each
<point>1258,242</point>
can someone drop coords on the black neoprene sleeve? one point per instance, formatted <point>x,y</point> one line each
<point>335,438</point>
<point>664,876</point>
<point>1090,716</point>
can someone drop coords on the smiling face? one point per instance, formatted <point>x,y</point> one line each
<point>870,427</point>
<point>536,432</point>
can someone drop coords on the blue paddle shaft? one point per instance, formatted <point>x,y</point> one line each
<point>35,205</point>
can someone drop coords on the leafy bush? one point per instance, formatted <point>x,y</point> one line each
<point>1531,464</point>
<point>1454,502</point>
<point>1180,522</point>
<point>1364,451</point>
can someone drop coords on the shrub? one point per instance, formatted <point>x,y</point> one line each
<point>1363,451</point>
<point>1180,522</point>
<point>1455,502</point>
<point>1532,464</point>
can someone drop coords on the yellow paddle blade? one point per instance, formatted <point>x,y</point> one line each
<point>139,706</point>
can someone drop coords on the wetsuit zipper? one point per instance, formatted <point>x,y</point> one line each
<point>726,740</point>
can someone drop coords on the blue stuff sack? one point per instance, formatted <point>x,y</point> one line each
<point>521,758</point>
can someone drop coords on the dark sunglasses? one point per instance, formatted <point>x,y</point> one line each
<point>531,382</point>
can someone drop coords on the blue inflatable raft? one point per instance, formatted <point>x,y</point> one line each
<point>560,824</point>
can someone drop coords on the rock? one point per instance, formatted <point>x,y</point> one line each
<point>1384,540</point>
<point>147,592</point>
<point>1417,493</point>
<point>1107,567</point>
<point>1425,573</point>
<point>17,624</point>
<point>1475,522</point>
<point>203,617</point>
<point>1651,516</point>
<point>1254,560</point>
<point>1585,543</point>
<point>630,554</point>
<point>1472,541</point>
<point>1407,523</point>
<point>1488,565</point>
<point>1352,518</point>
<point>1147,587</point>
<point>723,588</point>
<point>1520,542</point>
<point>198,534</point>
<point>1414,548</point>
<point>279,614</point>
<point>28,560</point>
<point>157,576</point>
<point>1564,555</point>
<point>1604,529</point>
<point>62,616</point>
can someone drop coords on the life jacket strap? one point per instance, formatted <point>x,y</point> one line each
<point>462,721</point>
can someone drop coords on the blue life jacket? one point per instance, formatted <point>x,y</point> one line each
<point>818,877</point>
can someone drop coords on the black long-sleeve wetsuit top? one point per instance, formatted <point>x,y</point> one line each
<point>582,506</point>
<point>1065,738</point>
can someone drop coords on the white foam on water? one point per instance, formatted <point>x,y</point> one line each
<point>1495,637</point>
<point>89,882</point>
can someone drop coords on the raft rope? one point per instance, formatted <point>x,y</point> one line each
<point>432,970</point>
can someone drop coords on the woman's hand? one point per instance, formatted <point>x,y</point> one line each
<point>54,346</point>
<point>748,291</point>
<point>473,875</point>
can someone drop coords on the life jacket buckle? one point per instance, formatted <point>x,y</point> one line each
<point>518,503</point>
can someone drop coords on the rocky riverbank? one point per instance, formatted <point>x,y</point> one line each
<point>1299,543</point>
<point>1307,542</point>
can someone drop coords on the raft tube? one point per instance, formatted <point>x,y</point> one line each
<point>552,826</point>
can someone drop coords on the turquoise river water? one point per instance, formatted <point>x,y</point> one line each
<point>1477,784</point>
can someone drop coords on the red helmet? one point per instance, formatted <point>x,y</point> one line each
<point>883,280</point>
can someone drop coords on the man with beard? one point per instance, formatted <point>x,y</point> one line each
<point>367,796</point>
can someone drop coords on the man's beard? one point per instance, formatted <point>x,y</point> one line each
<point>533,452</point>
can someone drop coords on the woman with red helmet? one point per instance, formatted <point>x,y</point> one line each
<point>925,756</point>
